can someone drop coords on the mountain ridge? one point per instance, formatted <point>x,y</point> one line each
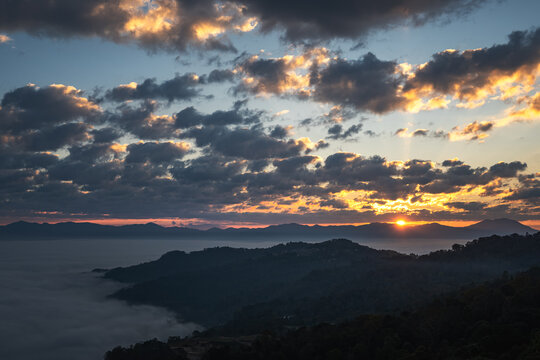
<point>23,229</point>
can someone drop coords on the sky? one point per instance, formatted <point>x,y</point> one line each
<point>257,112</point>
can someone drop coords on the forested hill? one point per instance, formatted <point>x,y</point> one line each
<point>245,291</point>
<point>499,320</point>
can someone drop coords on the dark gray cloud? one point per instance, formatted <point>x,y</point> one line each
<point>351,170</point>
<point>294,164</point>
<point>468,206</point>
<point>157,153</point>
<point>452,162</point>
<point>53,138</point>
<point>180,88</point>
<point>303,19</point>
<point>92,153</point>
<point>528,189</point>
<point>142,122</point>
<point>190,117</point>
<point>334,203</point>
<point>49,118</point>
<point>248,143</point>
<point>27,160</point>
<point>336,132</point>
<point>279,132</point>
<point>507,170</point>
<point>420,132</point>
<point>271,75</point>
<point>438,134</point>
<point>336,115</point>
<point>366,84</point>
<point>458,176</point>
<point>220,75</point>
<point>31,107</point>
<point>105,135</point>
<point>530,194</point>
<point>371,133</point>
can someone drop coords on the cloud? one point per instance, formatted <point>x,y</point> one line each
<point>302,19</point>
<point>127,161</point>
<point>294,164</point>
<point>467,206</point>
<point>507,170</point>
<point>27,160</point>
<point>467,79</point>
<point>473,131</point>
<point>452,162</point>
<point>288,74</point>
<point>181,87</point>
<point>404,133</point>
<point>157,153</point>
<point>519,113</point>
<point>336,132</point>
<point>472,76</point>
<point>190,117</point>
<point>171,25</point>
<point>220,75</point>
<point>236,177</point>
<point>4,39</point>
<point>205,24</point>
<point>366,84</point>
<point>142,121</point>
<point>246,143</point>
<point>31,107</point>
<point>336,115</point>
<point>53,138</point>
<point>528,189</point>
<point>105,135</point>
<point>47,118</point>
<point>280,132</point>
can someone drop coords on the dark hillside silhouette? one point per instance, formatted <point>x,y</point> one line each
<point>498,320</point>
<point>244,291</point>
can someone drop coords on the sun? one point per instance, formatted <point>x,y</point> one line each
<point>401,222</point>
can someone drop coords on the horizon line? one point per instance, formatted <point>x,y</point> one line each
<point>169,223</point>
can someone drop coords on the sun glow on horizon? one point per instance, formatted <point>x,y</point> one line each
<point>401,223</point>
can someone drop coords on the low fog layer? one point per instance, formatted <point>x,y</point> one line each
<point>50,309</point>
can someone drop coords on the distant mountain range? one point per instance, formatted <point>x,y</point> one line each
<point>28,230</point>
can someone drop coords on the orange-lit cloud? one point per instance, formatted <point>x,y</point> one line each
<point>465,79</point>
<point>284,75</point>
<point>473,131</point>
<point>149,17</point>
<point>4,38</point>
<point>527,109</point>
